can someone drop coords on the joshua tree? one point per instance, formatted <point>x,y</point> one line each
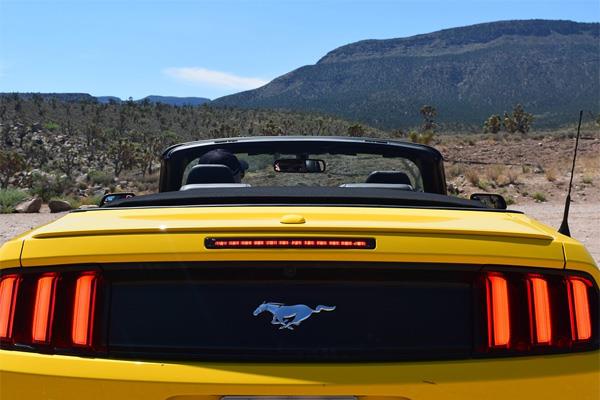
<point>493,124</point>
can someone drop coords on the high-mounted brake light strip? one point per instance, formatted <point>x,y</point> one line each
<point>289,243</point>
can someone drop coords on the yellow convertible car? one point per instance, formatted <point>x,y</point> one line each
<point>298,268</point>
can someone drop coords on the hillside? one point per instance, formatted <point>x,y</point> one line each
<point>54,147</point>
<point>85,97</point>
<point>170,100</point>
<point>467,73</point>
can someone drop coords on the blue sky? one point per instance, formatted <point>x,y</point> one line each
<point>213,48</point>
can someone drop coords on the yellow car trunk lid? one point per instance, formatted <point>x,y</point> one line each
<point>402,235</point>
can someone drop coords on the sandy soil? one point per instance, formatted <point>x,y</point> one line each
<point>584,222</point>
<point>12,225</point>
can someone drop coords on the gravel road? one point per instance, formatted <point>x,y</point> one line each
<point>584,221</point>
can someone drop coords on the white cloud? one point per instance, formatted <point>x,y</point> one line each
<point>217,79</point>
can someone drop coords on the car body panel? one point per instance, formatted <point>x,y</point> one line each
<point>34,376</point>
<point>177,234</point>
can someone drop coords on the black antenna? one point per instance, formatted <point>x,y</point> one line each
<point>564,226</point>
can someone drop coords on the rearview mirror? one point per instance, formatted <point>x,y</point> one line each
<point>110,197</point>
<point>298,165</point>
<point>490,200</point>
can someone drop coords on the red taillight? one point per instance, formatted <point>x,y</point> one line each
<point>9,286</point>
<point>579,308</point>
<point>498,311</point>
<point>288,243</point>
<point>44,308</point>
<point>539,310</point>
<point>83,310</point>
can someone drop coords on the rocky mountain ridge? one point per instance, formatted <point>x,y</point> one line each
<point>467,73</point>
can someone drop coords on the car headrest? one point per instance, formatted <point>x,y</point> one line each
<point>210,173</point>
<point>388,177</point>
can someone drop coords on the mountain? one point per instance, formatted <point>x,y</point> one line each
<point>77,97</point>
<point>176,101</point>
<point>467,73</point>
<point>67,97</point>
<point>108,99</point>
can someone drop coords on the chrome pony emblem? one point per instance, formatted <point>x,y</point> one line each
<point>289,316</point>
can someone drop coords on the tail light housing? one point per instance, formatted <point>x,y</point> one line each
<point>540,311</point>
<point>51,311</point>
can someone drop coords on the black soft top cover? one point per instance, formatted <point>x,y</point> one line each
<point>298,196</point>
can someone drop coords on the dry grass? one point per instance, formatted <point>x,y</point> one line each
<point>472,176</point>
<point>513,176</point>
<point>456,170</point>
<point>551,174</point>
<point>539,197</point>
<point>494,172</point>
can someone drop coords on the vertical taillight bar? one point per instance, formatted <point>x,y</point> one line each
<point>539,310</point>
<point>44,308</point>
<point>83,310</point>
<point>579,308</point>
<point>9,287</point>
<point>498,311</point>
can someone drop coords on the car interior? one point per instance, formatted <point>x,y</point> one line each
<point>272,170</point>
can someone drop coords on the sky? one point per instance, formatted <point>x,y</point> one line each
<point>213,48</point>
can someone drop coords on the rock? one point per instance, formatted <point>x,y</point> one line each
<point>29,206</point>
<point>58,206</point>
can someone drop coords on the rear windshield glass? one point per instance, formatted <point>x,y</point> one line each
<point>332,170</point>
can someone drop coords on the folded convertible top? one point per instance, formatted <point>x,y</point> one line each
<point>299,196</point>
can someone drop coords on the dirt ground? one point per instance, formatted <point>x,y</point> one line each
<point>523,170</point>
<point>584,221</point>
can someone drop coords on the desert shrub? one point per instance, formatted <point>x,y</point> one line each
<point>427,137</point>
<point>10,163</point>
<point>49,186</point>
<point>99,178</point>
<point>526,169</point>
<point>512,176</point>
<point>551,174</point>
<point>494,172</point>
<point>456,170</point>
<point>484,184</point>
<point>472,176</point>
<point>51,126</point>
<point>422,138</point>
<point>9,198</point>
<point>587,179</point>
<point>539,197</point>
<point>90,201</point>
<point>356,130</point>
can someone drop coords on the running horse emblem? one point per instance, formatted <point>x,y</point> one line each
<point>289,316</point>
